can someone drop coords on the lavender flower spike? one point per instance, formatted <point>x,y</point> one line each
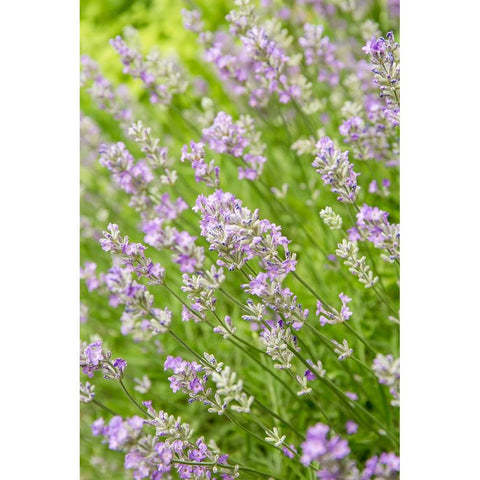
<point>336,170</point>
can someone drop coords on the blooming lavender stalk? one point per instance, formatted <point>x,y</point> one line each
<point>131,176</point>
<point>170,448</point>
<point>115,103</point>
<point>132,255</point>
<point>140,318</point>
<point>162,78</point>
<point>387,369</point>
<point>204,172</point>
<point>333,316</point>
<point>191,378</point>
<point>357,265</point>
<point>373,225</point>
<point>238,235</point>
<point>136,179</point>
<point>336,170</point>
<point>94,358</point>
<point>331,453</point>
<point>239,139</point>
<point>200,290</point>
<point>331,219</point>
<point>384,57</point>
<point>156,155</point>
<point>321,52</point>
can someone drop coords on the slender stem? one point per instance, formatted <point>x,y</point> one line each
<point>101,405</point>
<point>359,337</point>
<point>133,400</point>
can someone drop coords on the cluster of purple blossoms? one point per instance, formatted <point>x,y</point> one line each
<point>383,467</point>
<point>187,379</point>
<point>157,211</point>
<point>333,316</point>
<point>90,139</point>
<point>94,358</point>
<point>233,138</point>
<point>119,432</point>
<point>238,235</point>
<point>132,255</point>
<point>331,454</point>
<point>88,274</point>
<point>375,189</point>
<point>224,136</point>
<point>204,172</point>
<point>371,136</point>
<point>269,66</point>
<point>171,448</point>
<point>280,300</point>
<point>373,225</point>
<point>336,170</point>
<point>260,66</point>
<point>279,342</point>
<point>384,57</point>
<point>200,289</point>
<point>157,156</point>
<point>191,378</point>
<point>387,369</point>
<point>321,52</point>
<point>140,318</point>
<point>162,78</point>
<point>116,103</point>
<point>132,177</point>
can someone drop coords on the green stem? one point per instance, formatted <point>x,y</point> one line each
<point>133,400</point>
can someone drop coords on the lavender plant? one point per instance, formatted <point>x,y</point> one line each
<point>254,176</point>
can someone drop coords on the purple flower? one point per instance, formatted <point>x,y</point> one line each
<point>351,427</point>
<point>336,170</point>
<point>224,136</point>
<point>288,451</point>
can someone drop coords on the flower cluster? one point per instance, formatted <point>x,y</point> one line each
<point>237,234</point>
<point>384,57</point>
<point>357,265</point>
<point>331,315</point>
<point>280,300</point>
<point>373,225</point>
<point>201,289</point>
<point>157,156</point>
<point>140,318</point>
<point>336,170</point>
<point>321,52</point>
<point>331,453</point>
<point>161,77</point>
<point>132,256</point>
<point>191,378</point>
<point>238,139</point>
<point>116,103</point>
<point>94,358</point>
<point>171,448</point>
<point>204,172</point>
<point>131,176</point>
<point>387,369</point>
